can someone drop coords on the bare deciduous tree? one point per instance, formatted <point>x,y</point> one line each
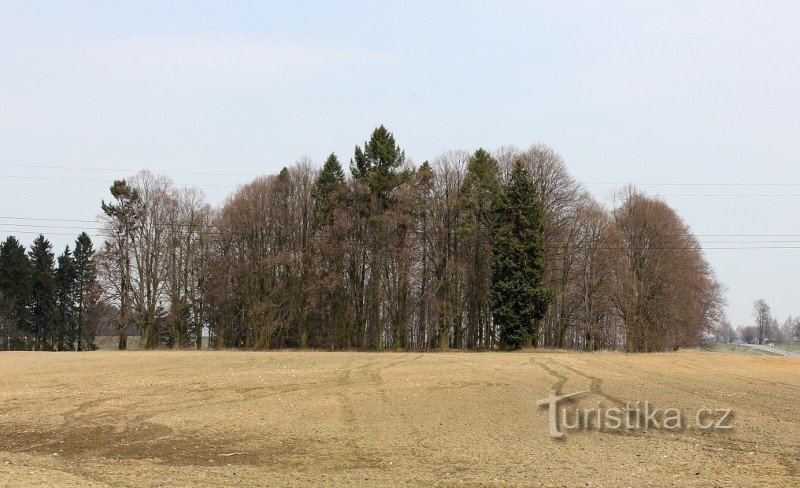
<point>763,318</point>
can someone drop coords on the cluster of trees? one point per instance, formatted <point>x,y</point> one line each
<point>154,262</point>
<point>765,328</point>
<point>48,303</point>
<point>482,250</point>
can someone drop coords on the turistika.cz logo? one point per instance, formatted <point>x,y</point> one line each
<point>639,415</point>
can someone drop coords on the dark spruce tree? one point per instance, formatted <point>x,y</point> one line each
<point>66,283</point>
<point>519,296</point>
<point>15,288</point>
<point>329,195</point>
<point>329,182</point>
<point>43,293</point>
<point>85,290</point>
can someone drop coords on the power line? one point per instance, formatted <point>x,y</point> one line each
<point>92,180</point>
<point>731,195</point>
<point>694,184</point>
<point>53,226</point>
<point>43,220</point>
<point>12,232</point>
<point>121,170</point>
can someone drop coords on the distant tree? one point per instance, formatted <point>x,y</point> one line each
<point>725,333</point>
<point>763,318</point>
<point>796,329</point>
<point>748,334</point>
<point>774,334</point>
<point>43,294</point>
<point>784,332</point>
<point>519,296</point>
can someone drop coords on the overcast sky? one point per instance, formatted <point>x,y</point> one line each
<point>643,92</point>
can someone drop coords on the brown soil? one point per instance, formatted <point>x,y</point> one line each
<point>342,418</point>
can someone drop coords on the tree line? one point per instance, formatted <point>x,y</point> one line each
<point>49,303</point>
<point>482,250</point>
<point>765,328</point>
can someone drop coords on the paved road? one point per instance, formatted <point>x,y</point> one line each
<point>773,350</point>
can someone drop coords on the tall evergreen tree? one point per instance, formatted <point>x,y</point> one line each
<point>15,286</point>
<point>329,256</point>
<point>377,164</point>
<point>66,283</point>
<point>519,296</point>
<point>329,181</point>
<point>43,293</point>
<point>481,187</point>
<point>85,290</point>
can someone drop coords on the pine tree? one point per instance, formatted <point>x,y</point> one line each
<point>377,164</point>
<point>123,218</point>
<point>519,296</point>
<point>43,296</point>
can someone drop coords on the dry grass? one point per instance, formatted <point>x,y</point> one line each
<point>313,418</point>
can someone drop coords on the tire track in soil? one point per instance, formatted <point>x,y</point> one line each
<point>561,380</point>
<point>376,378</point>
<point>596,388</point>
<point>376,381</point>
<point>648,376</point>
<point>727,442</point>
<point>358,456</point>
<point>693,437</point>
<point>124,430</point>
<point>748,379</point>
<point>595,385</point>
